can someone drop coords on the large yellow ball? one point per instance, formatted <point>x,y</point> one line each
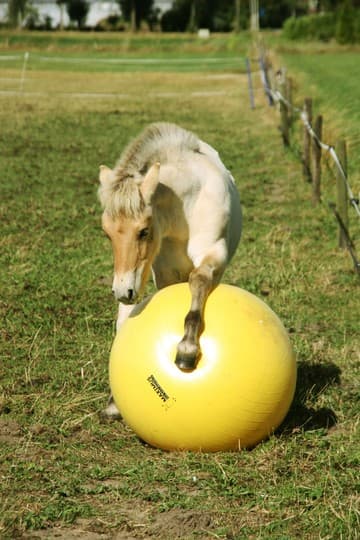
<point>238,394</point>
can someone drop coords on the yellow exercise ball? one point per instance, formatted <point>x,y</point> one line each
<point>240,390</point>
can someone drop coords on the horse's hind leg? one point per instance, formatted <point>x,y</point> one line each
<point>201,281</point>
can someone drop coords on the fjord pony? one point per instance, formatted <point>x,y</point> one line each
<point>170,207</point>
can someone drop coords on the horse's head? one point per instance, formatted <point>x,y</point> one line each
<point>129,223</point>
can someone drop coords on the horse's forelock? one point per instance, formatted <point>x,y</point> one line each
<point>122,198</point>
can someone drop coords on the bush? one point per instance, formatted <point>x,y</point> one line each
<point>345,24</point>
<point>357,26</point>
<point>112,23</point>
<point>317,27</point>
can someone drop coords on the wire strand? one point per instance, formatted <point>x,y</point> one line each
<point>277,97</point>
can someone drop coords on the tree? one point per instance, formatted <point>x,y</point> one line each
<point>273,13</point>
<point>135,11</point>
<point>192,26</point>
<point>61,4</point>
<point>237,24</point>
<point>177,18</point>
<point>77,11</point>
<point>217,15</point>
<point>17,9</point>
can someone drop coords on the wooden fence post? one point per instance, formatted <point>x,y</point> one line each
<point>265,79</point>
<point>289,97</point>
<point>341,192</point>
<point>284,115</point>
<point>316,151</point>
<point>307,141</point>
<point>251,92</point>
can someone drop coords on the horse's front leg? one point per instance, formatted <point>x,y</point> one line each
<point>201,281</point>
<point>111,412</point>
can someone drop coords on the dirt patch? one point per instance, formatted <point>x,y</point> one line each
<point>67,534</point>
<point>10,431</point>
<point>177,523</point>
<point>138,523</point>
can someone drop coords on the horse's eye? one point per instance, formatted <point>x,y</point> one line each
<point>143,233</point>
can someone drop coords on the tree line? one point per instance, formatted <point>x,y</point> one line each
<point>188,15</point>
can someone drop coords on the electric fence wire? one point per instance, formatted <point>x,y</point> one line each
<point>277,97</point>
<point>227,61</point>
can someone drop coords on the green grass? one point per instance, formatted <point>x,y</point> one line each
<point>63,472</point>
<point>121,42</point>
<point>335,76</point>
<point>92,52</point>
<point>328,73</point>
<point>114,63</point>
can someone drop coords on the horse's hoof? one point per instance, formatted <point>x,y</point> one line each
<point>185,362</point>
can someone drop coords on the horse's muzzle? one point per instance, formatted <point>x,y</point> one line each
<point>129,298</point>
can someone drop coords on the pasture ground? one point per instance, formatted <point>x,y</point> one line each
<point>64,473</point>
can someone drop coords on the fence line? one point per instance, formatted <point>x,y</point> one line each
<point>11,57</point>
<point>127,61</point>
<point>95,95</point>
<point>313,131</point>
<point>23,71</point>
<point>23,60</point>
<point>278,97</point>
<point>144,61</point>
<point>41,59</point>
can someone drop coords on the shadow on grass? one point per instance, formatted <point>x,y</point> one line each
<point>312,381</point>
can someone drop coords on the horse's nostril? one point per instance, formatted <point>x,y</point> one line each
<point>130,294</point>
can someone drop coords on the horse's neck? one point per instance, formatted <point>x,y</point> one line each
<point>168,212</point>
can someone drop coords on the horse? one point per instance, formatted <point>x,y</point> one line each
<point>170,208</point>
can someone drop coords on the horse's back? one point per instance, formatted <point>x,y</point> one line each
<point>163,142</point>
<point>217,210</point>
<point>207,188</point>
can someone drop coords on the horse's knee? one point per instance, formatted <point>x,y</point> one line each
<point>200,283</point>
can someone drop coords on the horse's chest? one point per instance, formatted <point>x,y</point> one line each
<point>172,265</point>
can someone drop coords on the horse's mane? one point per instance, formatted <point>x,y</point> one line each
<point>160,142</point>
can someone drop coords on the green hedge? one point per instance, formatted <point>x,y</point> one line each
<point>318,27</point>
<point>344,26</point>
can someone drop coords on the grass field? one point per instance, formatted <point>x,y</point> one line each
<point>334,78</point>
<point>123,52</point>
<point>64,473</point>
<point>330,76</point>
<point>122,42</point>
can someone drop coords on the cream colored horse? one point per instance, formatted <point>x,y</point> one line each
<point>170,208</point>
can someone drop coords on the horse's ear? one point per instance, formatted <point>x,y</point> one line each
<point>150,182</point>
<point>106,175</point>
